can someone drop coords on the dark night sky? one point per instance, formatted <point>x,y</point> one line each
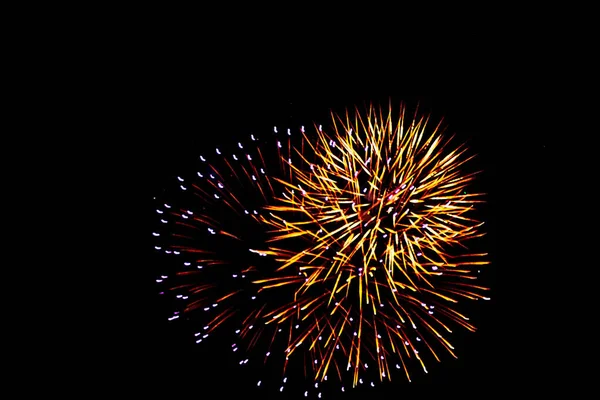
<point>187,114</point>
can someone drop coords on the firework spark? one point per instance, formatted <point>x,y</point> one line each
<point>346,251</point>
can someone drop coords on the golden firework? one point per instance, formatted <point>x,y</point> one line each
<point>379,206</point>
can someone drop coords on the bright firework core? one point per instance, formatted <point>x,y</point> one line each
<point>358,239</point>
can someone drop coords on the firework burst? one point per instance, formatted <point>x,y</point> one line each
<point>344,250</point>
